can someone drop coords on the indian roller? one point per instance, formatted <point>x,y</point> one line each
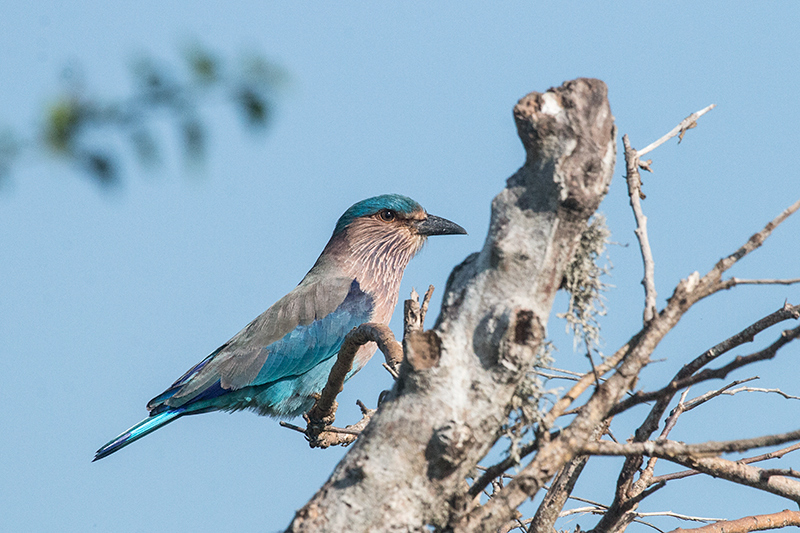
<point>283,357</point>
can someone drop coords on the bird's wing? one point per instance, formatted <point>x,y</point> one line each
<point>299,331</point>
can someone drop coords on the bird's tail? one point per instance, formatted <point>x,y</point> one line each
<point>145,427</point>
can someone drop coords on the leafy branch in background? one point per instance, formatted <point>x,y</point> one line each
<point>93,133</point>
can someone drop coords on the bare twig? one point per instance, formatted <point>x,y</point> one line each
<point>414,312</point>
<point>759,389</point>
<point>548,375</point>
<point>627,489</point>
<point>333,436</point>
<point>691,455</point>
<point>669,449</point>
<point>587,380</point>
<point>633,179</point>
<point>680,380</point>
<point>749,523</point>
<point>743,360</point>
<point>739,281</point>
<point>581,510</point>
<point>423,308</point>
<point>635,194</point>
<point>710,395</point>
<point>687,124</point>
<point>679,516</point>
<point>411,314</point>
<point>391,370</point>
<point>688,292</point>
<point>567,372</point>
<point>777,454</point>
<point>712,283</point>
<point>736,472</point>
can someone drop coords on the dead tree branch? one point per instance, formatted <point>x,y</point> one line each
<point>777,454</point>
<point>635,354</point>
<point>684,377</point>
<point>732,282</point>
<point>749,523</point>
<point>686,124</point>
<point>670,449</point>
<point>456,383</point>
<point>634,181</point>
<point>635,194</point>
<point>457,380</point>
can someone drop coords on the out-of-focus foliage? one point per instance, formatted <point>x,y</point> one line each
<point>94,133</point>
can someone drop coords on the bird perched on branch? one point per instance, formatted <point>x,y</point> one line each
<point>280,359</point>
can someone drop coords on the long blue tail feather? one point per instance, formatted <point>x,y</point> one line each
<point>145,427</point>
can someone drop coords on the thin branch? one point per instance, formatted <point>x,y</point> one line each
<point>333,436</point>
<point>710,395</point>
<point>749,523</point>
<point>691,455</point>
<point>423,308</point>
<point>670,449</point>
<point>414,312</point>
<point>584,500</point>
<point>558,409</point>
<point>679,516</point>
<point>627,489</point>
<point>567,372</point>
<point>712,281</point>
<point>497,469</point>
<point>634,182</point>
<point>680,380</point>
<point>687,124</point>
<point>740,473</point>
<point>391,371</point>
<point>739,281</point>
<point>582,510</point>
<point>652,526</point>
<point>743,360</point>
<point>777,454</point>
<point>554,376</point>
<point>759,389</point>
<point>585,382</point>
<point>640,487</point>
<point>632,358</point>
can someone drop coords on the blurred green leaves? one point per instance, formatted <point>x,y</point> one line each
<point>98,135</point>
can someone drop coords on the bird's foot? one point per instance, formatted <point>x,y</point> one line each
<point>321,434</point>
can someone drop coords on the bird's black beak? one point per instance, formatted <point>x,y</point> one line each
<point>434,225</point>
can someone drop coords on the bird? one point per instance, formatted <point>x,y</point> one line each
<point>281,360</point>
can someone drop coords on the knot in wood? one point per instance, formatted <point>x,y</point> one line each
<point>446,448</point>
<point>423,349</point>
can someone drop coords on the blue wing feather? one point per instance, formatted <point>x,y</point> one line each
<point>294,367</point>
<point>307,346</point>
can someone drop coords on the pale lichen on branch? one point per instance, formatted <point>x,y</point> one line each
<point>583,281</point>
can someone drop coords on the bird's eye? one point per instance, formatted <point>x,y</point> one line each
<point>387,215</point>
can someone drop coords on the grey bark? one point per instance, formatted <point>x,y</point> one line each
<point>408,469</point>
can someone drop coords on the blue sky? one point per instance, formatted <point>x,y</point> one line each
<point>106,298</point>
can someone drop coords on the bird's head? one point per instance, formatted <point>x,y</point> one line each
<point>389,229</point>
